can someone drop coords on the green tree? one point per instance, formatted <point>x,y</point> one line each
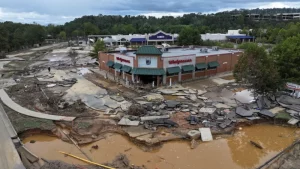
<point>62,35</point>
<point>90,28</point>
<point>18,38</point>
<point>98,46</point>
<point>287,58</point>
<point>34,34</point>
<point>189,36</point>
<point>258,70</point>
<point>4,45</point>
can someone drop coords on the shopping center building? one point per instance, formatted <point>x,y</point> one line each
<point>172,65</point>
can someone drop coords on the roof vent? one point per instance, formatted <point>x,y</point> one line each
<point>165,49</point>
<point>123,50</point>
<point>215,48</point>
<point>191,47</point>
<point>204,50</point>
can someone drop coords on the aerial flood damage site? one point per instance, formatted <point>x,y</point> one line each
<point>68,112</point>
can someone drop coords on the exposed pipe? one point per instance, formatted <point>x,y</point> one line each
<point>87,161</point>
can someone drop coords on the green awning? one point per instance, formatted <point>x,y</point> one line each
<point>187,68</point>
<point>117,66</point>
<point>172,70</point>
<point>148,71</point>
<point>213,64</point>
<point>110,63</point>
<point>201,66</point>
<point>126,68</point>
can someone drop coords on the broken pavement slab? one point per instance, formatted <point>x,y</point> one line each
<point>154,97</point>
<point>167,91</point>
<point>126,122</point>
<point>206,134</point>
<point>193,97</point>
<point>207,110</point>
<point>180,94</point>
<point>266,113</point>
<point>220,105</point>
<point>201,92</point>
<point>94,103</point>
<point>172,103</point>
<point>14,106</point>
<point>225,124</point>
<point>243,112</point>
<point>276,110</point>
<point>293,121</point>
<point>148,118</point>
<point>117,98</point>
<point>245,96</point>
<point>194,134</point>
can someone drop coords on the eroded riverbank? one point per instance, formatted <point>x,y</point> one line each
<point>231,152</point>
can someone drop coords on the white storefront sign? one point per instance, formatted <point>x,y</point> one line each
<point>179,61</point>
<point>124,60</point>
<point>147,62</point>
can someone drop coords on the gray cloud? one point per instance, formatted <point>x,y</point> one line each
<point>61,11</point>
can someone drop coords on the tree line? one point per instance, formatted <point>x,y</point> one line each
<point>14,36</point>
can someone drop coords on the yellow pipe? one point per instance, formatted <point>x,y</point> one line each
<point>87,161</point>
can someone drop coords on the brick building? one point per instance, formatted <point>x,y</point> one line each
<point>149,64</point>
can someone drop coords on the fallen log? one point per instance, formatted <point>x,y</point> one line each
<point>256,144</point>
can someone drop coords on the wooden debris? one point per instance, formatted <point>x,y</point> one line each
<point>256,144</point>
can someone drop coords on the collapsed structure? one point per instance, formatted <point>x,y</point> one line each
<point>168,65</point>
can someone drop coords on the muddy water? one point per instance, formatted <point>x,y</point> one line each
<point>226,153</point>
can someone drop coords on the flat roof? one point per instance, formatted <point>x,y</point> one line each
<point>186,51</point>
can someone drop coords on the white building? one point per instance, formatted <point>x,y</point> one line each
<point>220,36</point>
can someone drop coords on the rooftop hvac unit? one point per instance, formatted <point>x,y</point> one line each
<point>165,49</point>
<point>204,50</point>
<point>123,50</point>
<point>191,47</point>
<point>215,48</point>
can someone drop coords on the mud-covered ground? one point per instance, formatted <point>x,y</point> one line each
<point>289,160</point>
<point>121,161</point>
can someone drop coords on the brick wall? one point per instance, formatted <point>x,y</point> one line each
<point>225,63</point>
<point>201,59</point>
<point>103,59</point>
<point>235,58</point>
<point>160,62</point>
<point>211,72</point>
<point>200,73</point>
<point>211,58</point>
<point>128,77</point>
<point>187,76</point>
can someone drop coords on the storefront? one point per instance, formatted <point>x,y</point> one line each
<point>149,65</point>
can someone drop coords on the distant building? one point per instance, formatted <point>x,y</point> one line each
<point>149,64</point>
<point>231,35</point>
<point>156,38</point>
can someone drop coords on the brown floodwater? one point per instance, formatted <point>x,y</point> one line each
<point>227,153</point>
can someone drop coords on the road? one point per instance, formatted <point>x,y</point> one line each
<point>9,157</point>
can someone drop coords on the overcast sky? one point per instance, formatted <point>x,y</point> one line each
<point>61,11</point>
